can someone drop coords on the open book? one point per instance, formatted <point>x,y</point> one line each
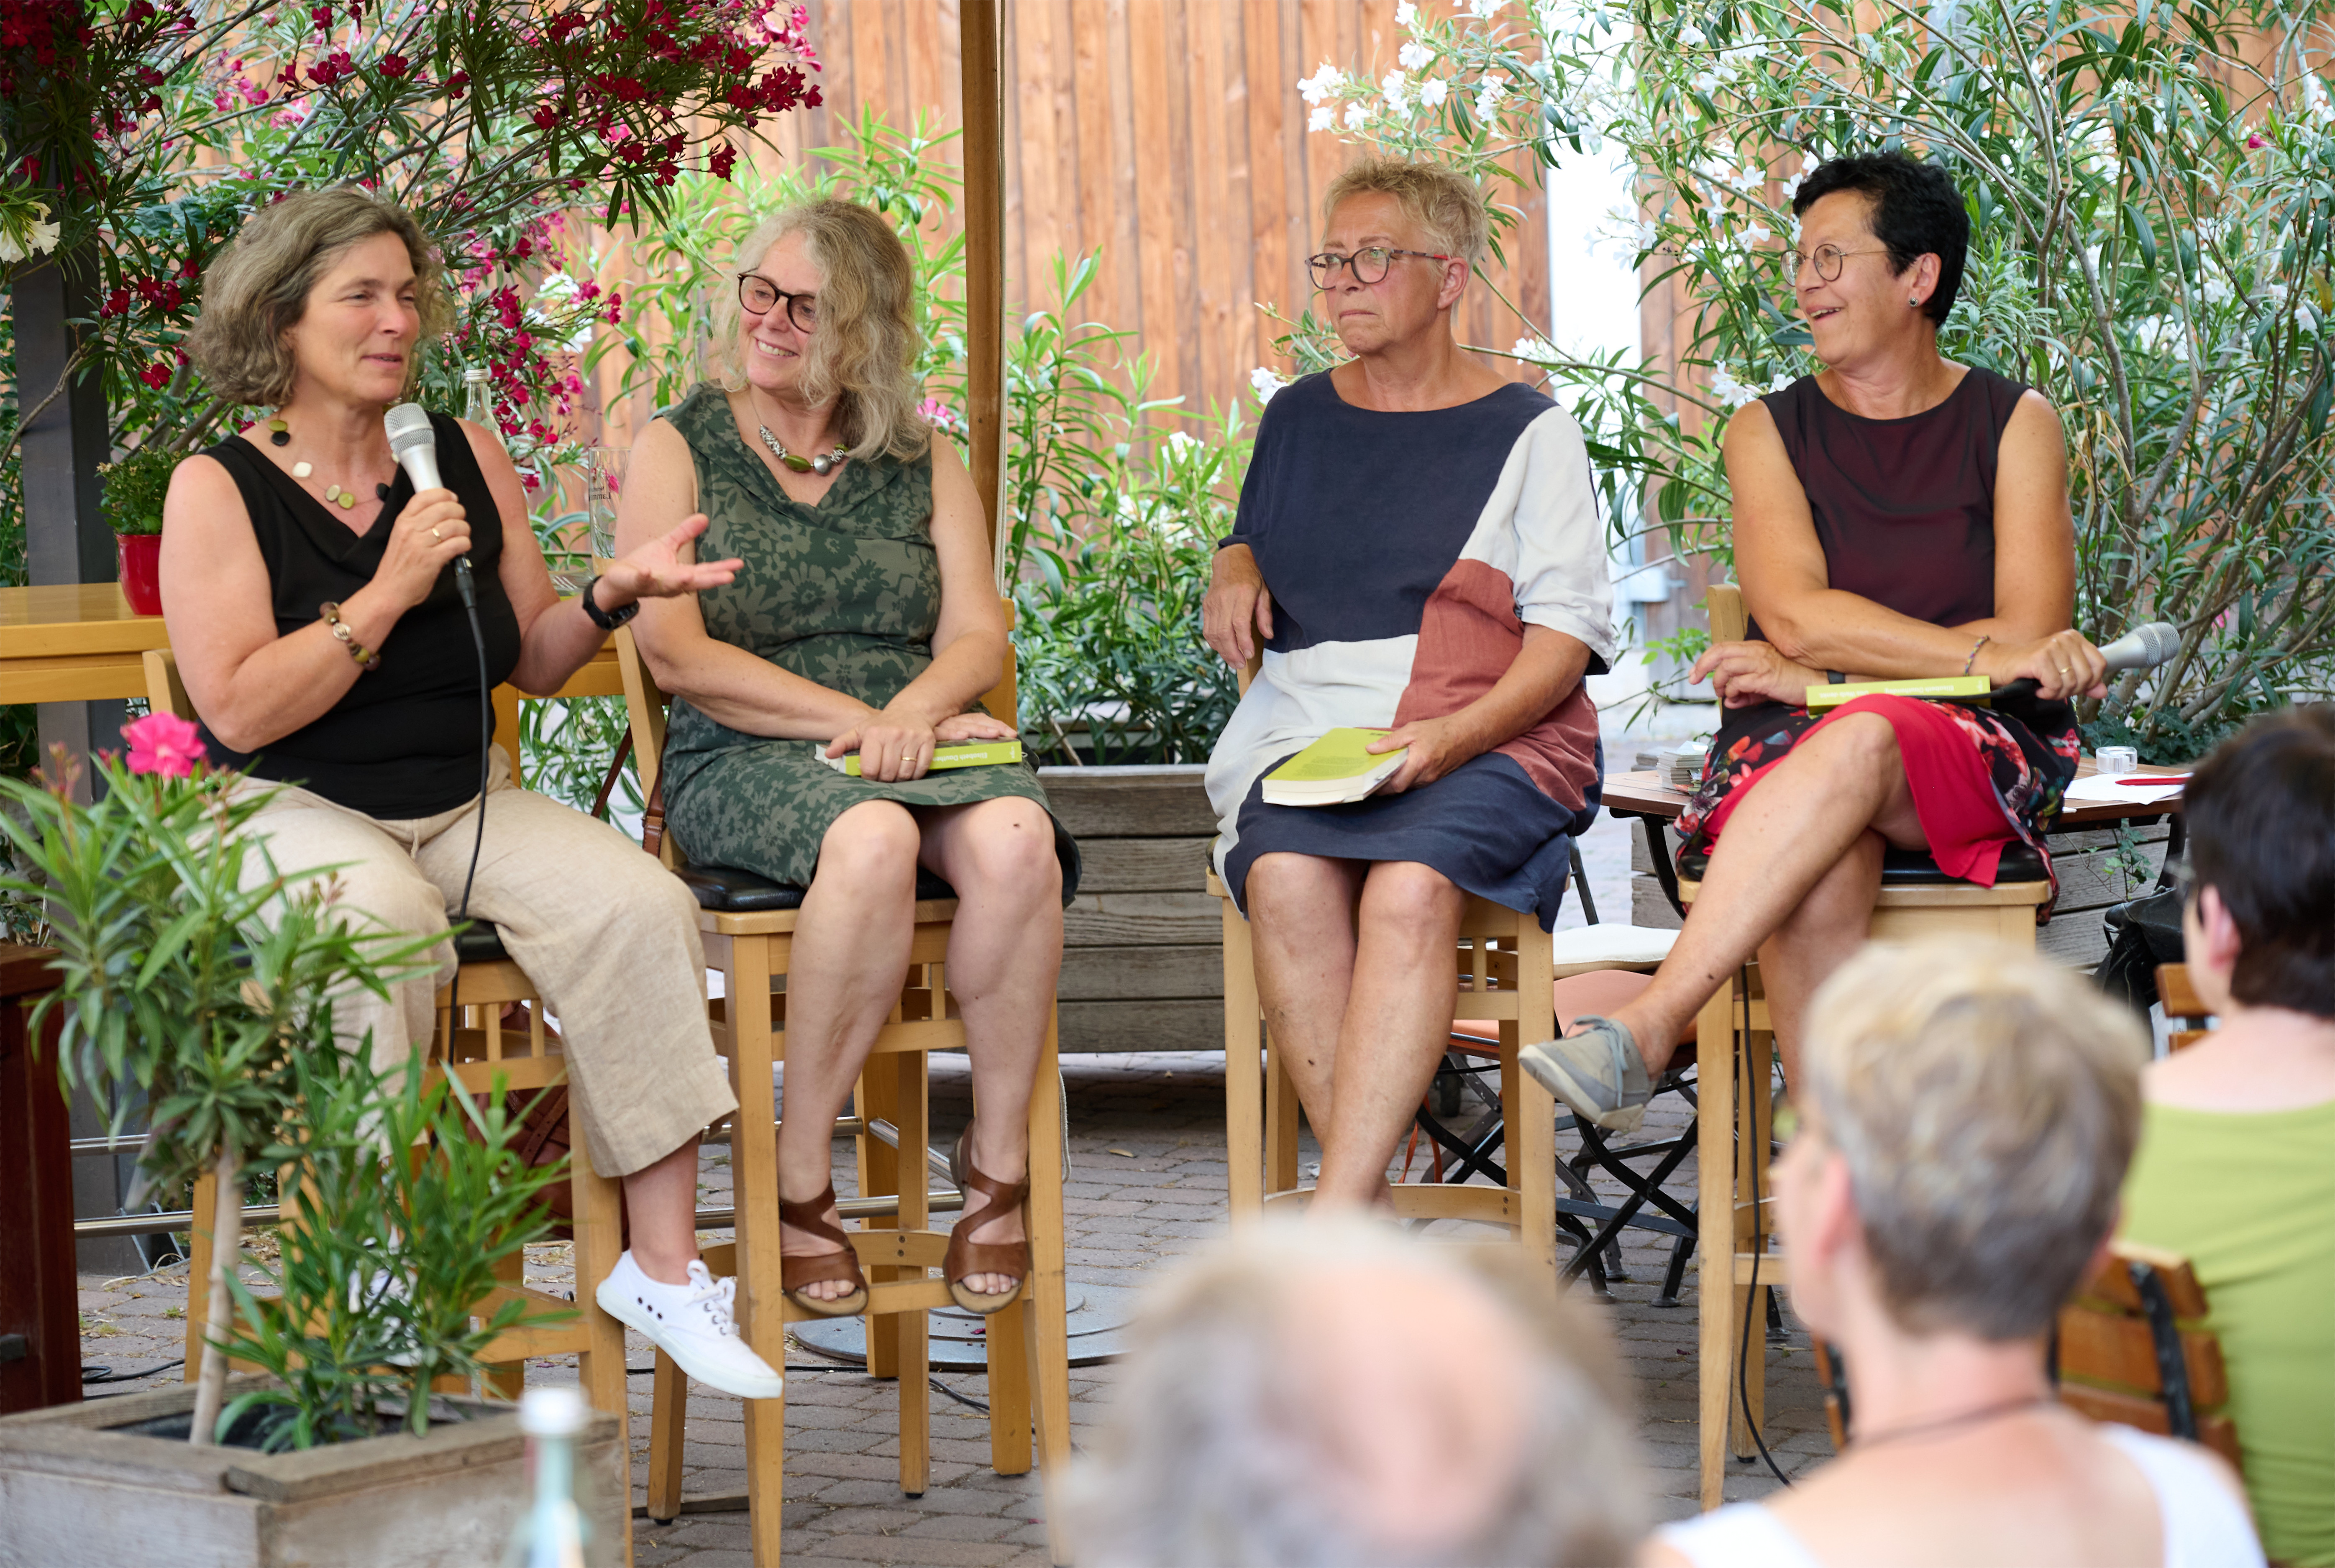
<point>1332,771</point>
<point>965,754</point>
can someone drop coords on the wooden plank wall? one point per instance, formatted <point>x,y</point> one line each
<point>1167,133</point>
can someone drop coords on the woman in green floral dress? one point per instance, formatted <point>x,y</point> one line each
<point>863,619</point>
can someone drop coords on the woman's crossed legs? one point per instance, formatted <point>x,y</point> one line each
<point>851,959</point>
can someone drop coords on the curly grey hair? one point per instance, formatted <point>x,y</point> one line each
<point>1224,1444</point>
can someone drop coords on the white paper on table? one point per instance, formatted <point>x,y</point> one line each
<point>2103,789</point>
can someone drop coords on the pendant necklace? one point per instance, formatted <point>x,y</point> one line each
<point>822,465</point>
<point>279,434</point>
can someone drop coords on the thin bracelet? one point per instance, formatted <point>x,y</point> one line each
<point>365,657</point>
<point>1970,663</point>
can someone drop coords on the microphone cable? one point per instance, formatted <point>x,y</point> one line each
<point>464,586</point>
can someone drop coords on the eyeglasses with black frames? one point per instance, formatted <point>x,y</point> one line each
<point>758,295</point>
<point>1369,263</point>
<point>1828,260</point>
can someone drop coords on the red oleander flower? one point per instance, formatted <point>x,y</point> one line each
<point>163,744</point>
<point>458,84</point>
<point>395,66</point>
<point>157,376</point>
<point>724,160</point>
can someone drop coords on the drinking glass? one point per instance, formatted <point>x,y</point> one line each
<point>603,480</point>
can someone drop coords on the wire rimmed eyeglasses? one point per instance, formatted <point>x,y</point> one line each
<point>1369,263</point>
<point>758,295</point>
<point>1828,259</point>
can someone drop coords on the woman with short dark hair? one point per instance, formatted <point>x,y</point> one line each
<point>1896,516</point>
<point>313,606</point>
<point>2237,1157</point>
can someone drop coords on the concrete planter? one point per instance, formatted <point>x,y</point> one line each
<point>1143,942</point>
<point>77,1484</point>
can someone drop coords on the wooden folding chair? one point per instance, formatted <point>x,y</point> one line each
<point>480,1055</point>
<point>2131,1349</point>
<point>1735,1047</point>
<point>749,926</point>
<point>2183,1006</point>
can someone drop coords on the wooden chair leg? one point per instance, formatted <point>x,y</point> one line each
<point>877,1098</point>
<point>911,1334</point>
<point>668,1428</point>
<point>1243,1080</point>
<point>1715,1229</point>
<point>599,1243</point>
<point>508,1379</point>
<point>1048,1345</point>
<point>1281,1109</point>
<point>754,1149</point>
<point>199,1271</point>
<point>1754,1117</point>
<point>1532,1116</point>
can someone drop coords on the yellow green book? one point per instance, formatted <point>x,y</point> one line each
<point>964,754</point>
<point>1947,686</point>
<point>1332,771</point>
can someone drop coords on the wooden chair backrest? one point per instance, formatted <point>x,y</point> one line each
<point>1724,603</point>
<point>165,693</point>
<point>2130,1350</point>
<point>2183,1006</point>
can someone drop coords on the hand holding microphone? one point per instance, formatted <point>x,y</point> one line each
<point>434,529</point>
<point>2066,664</point>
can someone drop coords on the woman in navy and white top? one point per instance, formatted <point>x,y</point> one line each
<point>1418,547</point>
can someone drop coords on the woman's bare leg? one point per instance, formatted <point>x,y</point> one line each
<point>1837,787</point>
<point>850,959</point>
<point>661,1203</point>
<point>1004,957</point>
<point>1301,921</point>
<point>1397,1025</point>
<point>1817,938</point>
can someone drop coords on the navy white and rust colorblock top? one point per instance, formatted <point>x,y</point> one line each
<point>1405,552</point>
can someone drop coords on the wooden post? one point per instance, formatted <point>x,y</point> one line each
<point>983,92</point>
<point>40,1327</point>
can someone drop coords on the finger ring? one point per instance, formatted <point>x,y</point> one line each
<point>433,533</point>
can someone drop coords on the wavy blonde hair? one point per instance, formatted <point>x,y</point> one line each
<point>258,290</point>
<point>864,354</point>
<point>1446,206</point>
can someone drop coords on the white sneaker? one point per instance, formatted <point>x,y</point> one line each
<point>693,1324</point>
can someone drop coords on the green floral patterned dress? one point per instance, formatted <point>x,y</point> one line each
<point>845,593</point>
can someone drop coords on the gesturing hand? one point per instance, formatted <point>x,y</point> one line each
<point>432,531</point>
<point>1436,747</point>
<point>1742,674</point>
<point>893,747</point>
<point>656,571</point>
<point>1237,614</point>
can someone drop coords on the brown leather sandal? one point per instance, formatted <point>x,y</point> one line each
<point>796,1272</point>
<point>966,1256</point>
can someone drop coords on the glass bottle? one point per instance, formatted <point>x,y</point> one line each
<point>555,1531</point>
<point>478,401</point>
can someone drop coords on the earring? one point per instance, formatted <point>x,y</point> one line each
<point>1914,300</point>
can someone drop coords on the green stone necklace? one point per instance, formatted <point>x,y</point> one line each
<point>822,465</point>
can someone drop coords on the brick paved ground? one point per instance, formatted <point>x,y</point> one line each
<point>1148,1185</point>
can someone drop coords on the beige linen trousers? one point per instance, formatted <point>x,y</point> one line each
<point>607,934</point>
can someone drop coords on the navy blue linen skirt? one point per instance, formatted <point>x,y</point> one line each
<point>1484,824</point>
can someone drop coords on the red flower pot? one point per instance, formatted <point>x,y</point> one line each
<point>141,571</point>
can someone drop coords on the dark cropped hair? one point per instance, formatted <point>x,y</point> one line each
<point>1916,211</point>
<point>2260,813</point>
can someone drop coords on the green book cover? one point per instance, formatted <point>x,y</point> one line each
<point>1336,755</point>
<point>1963,686</point>
<point>965,754</point>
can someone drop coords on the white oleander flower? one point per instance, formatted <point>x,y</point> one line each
<point>1433,91</point>
<point>1321,119</point>
<point>1179,443</point>
<point>1395,91</point>
<point>1755,236</point>
<point>1492,89</point>
<point>2315,101</point>
<point>1405,13</point>
<point>1356,116</point>
<point>1414,56</point>
<point>1265,384</point>
<point>1484,10</point>
<point>1539,350</point>
<point>1726,391</point>
<point>1323,83</point>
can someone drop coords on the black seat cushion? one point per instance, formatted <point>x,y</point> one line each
<point>1910,868</point>
<point>481,943</point>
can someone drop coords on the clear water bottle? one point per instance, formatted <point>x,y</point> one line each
<point>555,1531</point>
<point>478,401</point>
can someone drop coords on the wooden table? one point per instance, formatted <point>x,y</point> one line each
<point>1642,794</point>
<point>82,642</point>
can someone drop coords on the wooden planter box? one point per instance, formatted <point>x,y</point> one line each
<point>1143,942</point>
<point>75,1488</point>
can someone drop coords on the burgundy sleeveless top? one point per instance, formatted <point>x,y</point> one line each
<point>1905,508</point>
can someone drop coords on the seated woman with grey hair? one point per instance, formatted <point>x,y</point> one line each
<point>1966,1115</point>
<point>1336,1393</point>
<point>315,607</point>
<point>865,618</point>
<point>1419,549</point>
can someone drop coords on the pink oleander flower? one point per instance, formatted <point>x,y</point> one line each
<point>163,744</point>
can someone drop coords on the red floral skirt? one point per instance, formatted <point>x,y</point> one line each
<point>1979,776</point>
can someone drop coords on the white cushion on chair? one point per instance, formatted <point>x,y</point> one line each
<point>1610,947</point>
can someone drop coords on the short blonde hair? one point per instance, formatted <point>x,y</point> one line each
<point>1217,1448</point>
<point>1446,206</point>
<point>258,290</point>
<point>864,353</point>
<point>1987,1102</point>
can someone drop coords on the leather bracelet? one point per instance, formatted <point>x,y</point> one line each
<point>365,657</point>
<point>606,620</point>
<point>1972,662</point>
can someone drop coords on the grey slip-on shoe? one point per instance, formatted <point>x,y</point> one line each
<point>1596,1071</point>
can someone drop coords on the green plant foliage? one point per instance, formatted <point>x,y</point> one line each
<point>134,487</point>
<point>2152,195</point>
<point>407,1197</point>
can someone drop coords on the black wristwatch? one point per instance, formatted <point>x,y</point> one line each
<point>603,619</point>
<point>1836,677</point>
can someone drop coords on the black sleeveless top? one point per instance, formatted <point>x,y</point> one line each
<point>403,741</point>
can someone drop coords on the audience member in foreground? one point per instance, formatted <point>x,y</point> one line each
<point>2236,1169</point>
<point>1337,1394</point>
<point>865,619</point>
<point>311,601</point>
<point>1966,1115</point>
<point>1419,546</point>
<point>1897,514</point>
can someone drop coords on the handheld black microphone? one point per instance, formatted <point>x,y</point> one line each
<point>2142,648</point>
<point>413,442</point>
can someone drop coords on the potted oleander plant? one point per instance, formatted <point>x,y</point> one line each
<point>135,485</point>
<point>196,976</point>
